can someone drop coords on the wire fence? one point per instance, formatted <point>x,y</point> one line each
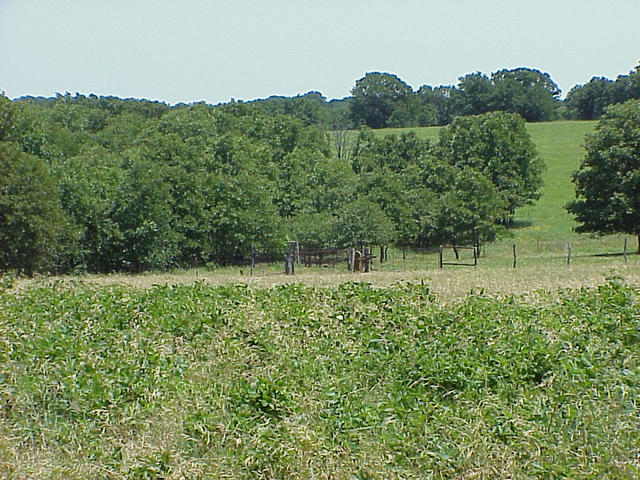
<point>503,254</point>
<point>517,254</point>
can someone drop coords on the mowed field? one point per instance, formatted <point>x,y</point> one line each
<point>560,145</point>
<point>484,372</point>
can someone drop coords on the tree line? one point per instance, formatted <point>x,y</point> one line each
<point>589,101</point>
<point>106,184</point>
<point>380,100</point>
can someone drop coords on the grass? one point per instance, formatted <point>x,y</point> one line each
<point>295,381</point>
<point>494,275</point>
<point>560,145</point>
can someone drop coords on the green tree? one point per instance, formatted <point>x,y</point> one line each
<point>35,233</point>
<point>361,223</point>
<point>339,114</point>
<point>89,189</point>
<point>468,211</point>
<point>497,145</point>
<point>7,114</point>
<point>376,96</point>
<point>26,125</point>
<point>608,180</point>
<point>590,100</point>
<point>475,94</point>
<point>436,105</point>
<point>401,197</point>
<point>311,108</point>
<point>526,91</point>
<point>142,211</point>
<point>222,168</point>
<point>394,152</point>
<point>390,177</point>
<point>313,230</point>
<point>629,85</point>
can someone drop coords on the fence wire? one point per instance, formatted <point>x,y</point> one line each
<point>502,254</point>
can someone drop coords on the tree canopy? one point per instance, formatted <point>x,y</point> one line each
<point>383,99</point>
<point>375,98</point>
<point>588,101</point>
<point>35,233</point>
<point>104,184</point>
<point>497,145</point>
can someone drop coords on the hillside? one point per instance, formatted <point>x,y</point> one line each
<point>560,146</point>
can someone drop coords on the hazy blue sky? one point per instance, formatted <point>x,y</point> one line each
<point>191,50</point>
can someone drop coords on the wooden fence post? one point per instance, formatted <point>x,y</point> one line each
<point>569,253</point>
<point>367,259</point>
<point>626,260</point>
<point>515,257</point>
<point>289,261</point>
<point>475,255</point>
<point>253,258</point>
<point>351,253</point>
<point>440,255</point>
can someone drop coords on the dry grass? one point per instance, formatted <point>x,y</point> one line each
<point>448,284</point>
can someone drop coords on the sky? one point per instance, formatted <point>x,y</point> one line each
<point>214,51</point>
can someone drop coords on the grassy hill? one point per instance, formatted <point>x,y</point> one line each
<point>546,226</point>
<point>560,144</point>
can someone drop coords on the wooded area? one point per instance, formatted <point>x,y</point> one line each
<point>105,184</point>
<point>380,100</point>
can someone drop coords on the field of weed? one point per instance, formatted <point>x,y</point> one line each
<point>295,381</point>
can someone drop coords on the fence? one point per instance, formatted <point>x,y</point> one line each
<point>502,254</point>
<point>519,254</point>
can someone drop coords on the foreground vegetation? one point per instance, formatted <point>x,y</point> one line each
<point>296,381</point>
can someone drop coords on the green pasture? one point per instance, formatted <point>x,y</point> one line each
<point>560,144</point>
<point>546,227</point>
